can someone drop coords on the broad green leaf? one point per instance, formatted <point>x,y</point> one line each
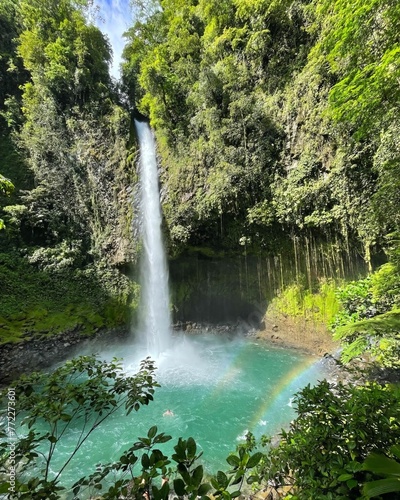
<point>179,487</point>
<point>203,489</point>
<point>351,483</point>
<point>222,479</point>
<point>381,487</point>
<point>233,460</point>
<point>152,432</point>
<point>145,461</point>
<point>379,464</point>
<point>254,460</point>
<point>197,476</point>
<point>191,448</point>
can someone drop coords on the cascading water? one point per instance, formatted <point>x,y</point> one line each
<point>154,313</point>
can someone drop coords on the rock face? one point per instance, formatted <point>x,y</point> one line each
<point>33,355</point>
<point>297,332</point>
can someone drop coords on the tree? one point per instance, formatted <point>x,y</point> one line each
<point>6,188</point>
<point>62,52</point>
<point>337,426</point>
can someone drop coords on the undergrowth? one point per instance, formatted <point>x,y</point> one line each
<point>320,306</point>
<point>36,303</point>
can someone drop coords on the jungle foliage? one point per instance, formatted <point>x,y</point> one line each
<point>277,121</point>
<point>66,161</point>
<point>324,453</point>
<point>280,117</point>
<point>369,318</point>
<point>272,114</point>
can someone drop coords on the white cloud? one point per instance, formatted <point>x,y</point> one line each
<point>113,20</point>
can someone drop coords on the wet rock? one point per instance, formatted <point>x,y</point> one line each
<point>31,355</point>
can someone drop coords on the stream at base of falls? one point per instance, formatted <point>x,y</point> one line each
<point>217,388</point>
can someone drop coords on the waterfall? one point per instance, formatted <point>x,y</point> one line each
<point>154,314</point>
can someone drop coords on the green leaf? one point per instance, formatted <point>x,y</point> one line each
<point>380,464</point>
<point>164,491</point>
<point>145,461</point>
<point>197,476</point>
<point>180,449</point>
<point>222,479</point>
<point>162,438</point>
<point>351,483</point>
<point>215,484</point>
<point>152,432</point>
<point>166,488</point>
<point>381,487</point>
<point>345,477</point>
<point>179,487</point>
<point>396,450</point>
<point>233,460</point>
<point>254,460</point>
<point>138,446</point>
<point>184,473</point>
<point>253,479</point>
<point>191,448</point>
<point>203,489</point>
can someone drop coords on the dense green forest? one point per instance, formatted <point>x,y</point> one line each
<point>65,147</point>
<point>277,126</point>
<point>272,116</point>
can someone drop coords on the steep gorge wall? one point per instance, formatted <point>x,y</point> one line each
<point>207,287</point>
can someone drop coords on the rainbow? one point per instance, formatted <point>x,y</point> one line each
<point>272,396</point>
<point>235,366</point>
<point>281,386</point>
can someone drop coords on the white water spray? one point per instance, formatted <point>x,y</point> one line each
<point>154,314</point>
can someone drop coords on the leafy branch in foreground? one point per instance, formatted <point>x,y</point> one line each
<point>322,455</point>
<point>77,398</point>
<point>84,389</point>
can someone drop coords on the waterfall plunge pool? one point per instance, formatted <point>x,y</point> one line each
<point>217,388</point>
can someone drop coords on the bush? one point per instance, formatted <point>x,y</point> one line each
<point>336,428</point>
<point>369,319</point>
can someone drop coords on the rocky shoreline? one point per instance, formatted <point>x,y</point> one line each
<point>40,354</point>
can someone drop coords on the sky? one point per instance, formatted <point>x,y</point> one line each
<point>113,18</point>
